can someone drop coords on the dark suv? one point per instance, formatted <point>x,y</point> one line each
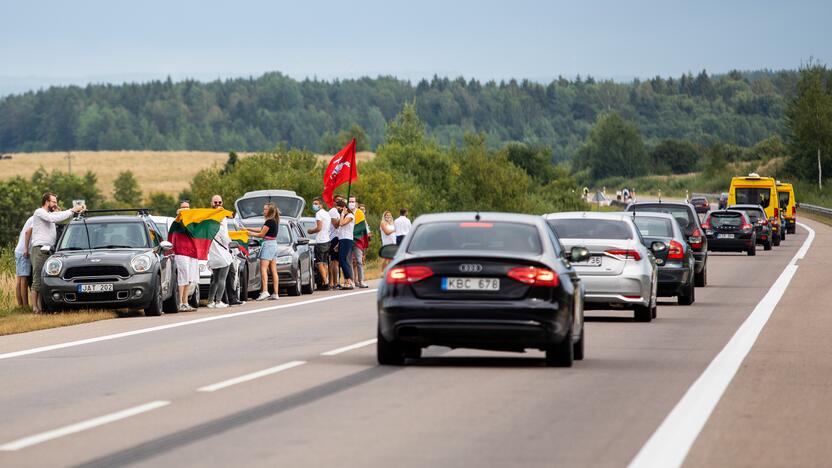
<point>686,215</point>
<point>757,216</point>
<point>111,261</point>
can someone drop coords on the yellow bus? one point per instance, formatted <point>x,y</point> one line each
<point>757,190</point>
<point>787,205</point>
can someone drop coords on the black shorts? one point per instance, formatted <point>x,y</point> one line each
<point>333,249</point>
<point>322,253</point>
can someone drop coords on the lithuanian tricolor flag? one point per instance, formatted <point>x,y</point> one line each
<point>360,234</point>
<point>193,231</point>
<point>240,236</point>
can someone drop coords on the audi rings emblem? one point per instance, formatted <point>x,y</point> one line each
<point>470,268</point>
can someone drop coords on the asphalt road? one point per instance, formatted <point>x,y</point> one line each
<point>65,406</point>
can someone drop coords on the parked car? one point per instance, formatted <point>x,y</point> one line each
<point>250,206</point>
<point>731,231</point>
<point>243,279</point>
<point>163,224</point>
<point>111,261</point>
<point>688,219</point>
<point>676,263</point>
<point>757,217</point>
<point>494,281</point>
<point>620,272</point>
<point>701,204</point>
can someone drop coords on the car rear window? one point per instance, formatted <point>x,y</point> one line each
<point>253,207</point>
<point>755,196</point>
<point>681,213</point>
<point>653,227</point>
<point>591,229</point>
<point>726,220</point>
<point>491,236</point>
<point>783,198</point>
<point>77,236</point>
<point>754,214</point>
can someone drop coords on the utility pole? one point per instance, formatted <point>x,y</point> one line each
<point>68,158</point>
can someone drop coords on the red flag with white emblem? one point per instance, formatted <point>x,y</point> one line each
<point>341,169</point>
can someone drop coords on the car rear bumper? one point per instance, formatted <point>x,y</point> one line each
<point>730,245</point>
<point>494,325</point>
<point>672,280</point>
<point>133,292</point>
<point>607,291</point>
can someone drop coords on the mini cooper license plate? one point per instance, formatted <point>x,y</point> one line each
<point>95,288</point>
<point>470,284</point>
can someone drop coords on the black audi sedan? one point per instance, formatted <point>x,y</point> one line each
<point>731,231</point>
<point>493,281</point>
<point>676,262</point>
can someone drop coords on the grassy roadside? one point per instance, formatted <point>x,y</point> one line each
<point>821,219</point>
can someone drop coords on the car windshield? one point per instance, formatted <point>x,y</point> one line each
<point>103,235</point>
<point>591,229</point>
<point>783,197</point>
<point>253,206</point>
<point>726,220</point>
<point>283,236</point>
<point>681,213</point>
<point>755,196</point>
<point>653,227</point>
<point>494,237</point>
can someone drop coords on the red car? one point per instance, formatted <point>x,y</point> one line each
<point>701,204</point>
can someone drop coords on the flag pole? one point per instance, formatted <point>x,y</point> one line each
<point>352,168</point>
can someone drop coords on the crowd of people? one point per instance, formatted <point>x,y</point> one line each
<point>340,250</point>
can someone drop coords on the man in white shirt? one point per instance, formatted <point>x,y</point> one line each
<point>23,265</point>
<point>323,226</point>
<point>402,224</point>
<point>335,220</point>
<point>44,237</point>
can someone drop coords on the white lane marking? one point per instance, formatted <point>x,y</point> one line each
<point>669,445</point>
<point>249,377</point>
<point>43,349</point>
<point>81,426</point>
<point>349,348</point>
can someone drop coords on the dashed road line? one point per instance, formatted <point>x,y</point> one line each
<point>250,377</point>
<point>349,348</point>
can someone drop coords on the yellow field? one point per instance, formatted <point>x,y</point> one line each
<point>157,171</point>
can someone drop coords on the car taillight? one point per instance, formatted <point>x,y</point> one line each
<point>794,211</point>
<point>776,212</point>
<point>707,224</point>
<point>763,222</point>
<point>408,274</point>
<point>695,239</point>
<point>534,276</point>
<point>675,251</point>
<point>625,253</point>
<point>747,227</point>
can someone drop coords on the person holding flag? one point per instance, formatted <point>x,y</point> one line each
<point>341,169</point>
<point>361,240</point>
<point>346,226</point>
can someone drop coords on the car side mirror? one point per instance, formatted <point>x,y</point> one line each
<point>302,241</point>
<point>658,247</point>
<point>165,245</point>
<point>578,254</point>
<point>388,251</point>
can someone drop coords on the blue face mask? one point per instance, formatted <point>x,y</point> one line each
<point>315,208</point>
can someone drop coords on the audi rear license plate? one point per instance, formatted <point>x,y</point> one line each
<point>724,236</point>
<point>95,288</point>
<point>470,284</point>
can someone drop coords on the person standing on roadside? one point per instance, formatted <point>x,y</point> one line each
<point>187,269</point>
<point>361,240</point>
<point>346,224</point>
<point>388,234</point>
<point>219,261</point>
<point>268,251</point>
<point>335,218</point>
<point>402,224</point>
<point>23,264</point>
<point>323,226</point>
<point>44,237</point>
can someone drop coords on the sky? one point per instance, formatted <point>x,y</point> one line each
<point>59,42</point>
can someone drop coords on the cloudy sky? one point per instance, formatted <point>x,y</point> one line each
<point>51,42</point>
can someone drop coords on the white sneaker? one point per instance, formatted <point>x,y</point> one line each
<point>183,307</point>
<point>263,296</point>
<point>220,305</point>
<point>274,297</point>
<point>212,305</point>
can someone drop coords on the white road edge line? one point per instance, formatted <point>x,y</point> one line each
<point>249,377</point>
<point>81,426</point>
<point>670,444</point>
<point>43,349</point>
<point>349,348</point>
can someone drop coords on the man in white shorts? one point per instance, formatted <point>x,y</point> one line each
<point>187,271</point>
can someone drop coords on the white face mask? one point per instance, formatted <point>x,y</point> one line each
<point>352,206</point>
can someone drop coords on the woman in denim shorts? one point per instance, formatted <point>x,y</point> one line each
<point>268,250</point>
<point>23,265</point>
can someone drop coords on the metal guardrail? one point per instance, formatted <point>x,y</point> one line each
<point>814,209</point>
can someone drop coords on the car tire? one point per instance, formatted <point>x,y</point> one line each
<point>689,296</point>
<point>642,313</point>
<point>561,354</point>
<point>309,287</point>
<point>767,245</point>
<point>412,352</point>
<point>388,353</point>
<point>171,305</point>
<point>792,230</point>
<point>701,279</point>
<point>295,290</point>
<point>752,251</point>
<point>783,234</point>
<point>777,240</point>
<point>578,347</point>
<point>194,298</point>
<point>154,309</point>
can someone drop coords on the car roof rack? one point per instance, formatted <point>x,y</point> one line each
<point>139,211</point>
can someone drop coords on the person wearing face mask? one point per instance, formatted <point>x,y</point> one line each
<point>335,220</point>
<point>346,224</point>
<point>323,226</point>
<point>361,241</point>
<point>388,234</point>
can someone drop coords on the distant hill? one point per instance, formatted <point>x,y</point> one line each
<point>258,113</point>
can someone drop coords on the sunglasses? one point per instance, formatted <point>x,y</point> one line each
<point>217,203</point>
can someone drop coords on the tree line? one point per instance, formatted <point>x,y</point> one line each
<point>255,114</point>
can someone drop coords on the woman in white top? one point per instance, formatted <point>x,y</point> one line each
<point>388,234</point>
